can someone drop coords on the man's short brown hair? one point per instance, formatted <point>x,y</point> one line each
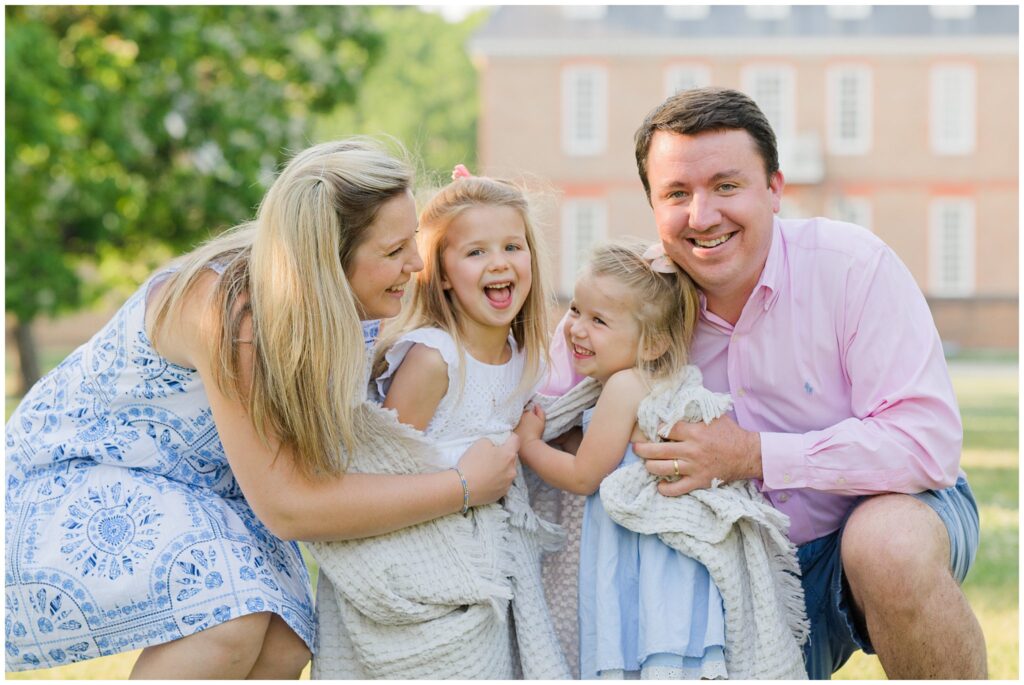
<point>690,112</point>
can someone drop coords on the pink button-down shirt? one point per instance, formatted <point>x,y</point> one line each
<point>836,361</point>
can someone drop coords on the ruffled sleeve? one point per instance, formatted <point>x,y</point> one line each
<point>431,337</point>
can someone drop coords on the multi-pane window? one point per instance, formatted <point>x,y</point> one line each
<point>772,88</point>
<point>686,76</point>
<point>584,110</point>
<point>849,109</point>
<point>952,109</point>
<point>951,239</point>
<point>584,224</point>
<point>852,209</point>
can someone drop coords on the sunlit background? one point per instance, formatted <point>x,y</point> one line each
<point>132,133</point>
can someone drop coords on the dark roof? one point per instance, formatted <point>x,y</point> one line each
<point>652,21</point>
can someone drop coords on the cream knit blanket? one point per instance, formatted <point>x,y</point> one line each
<point>730,528</point>
<point>432,600</point>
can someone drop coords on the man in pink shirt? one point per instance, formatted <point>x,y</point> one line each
<point>844,411</point>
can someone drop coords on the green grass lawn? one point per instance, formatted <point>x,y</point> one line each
<point>988,403</point>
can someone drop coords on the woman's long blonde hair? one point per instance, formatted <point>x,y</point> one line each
<point>431,304</point>
<point>286,271</point>
<point>665,305</point>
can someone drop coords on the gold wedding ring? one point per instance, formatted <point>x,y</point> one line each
<point>675,467</point>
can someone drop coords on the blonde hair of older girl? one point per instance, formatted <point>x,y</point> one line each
<point>286,270</point>
<point>431,304</point>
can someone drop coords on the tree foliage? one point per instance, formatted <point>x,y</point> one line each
<point>133,126</point>
<point>128,125</point>
<point>423,89</point>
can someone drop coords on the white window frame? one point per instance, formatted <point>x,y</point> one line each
<point>953,94</point>
<point>862,109</point>
<point>573,252</point>
<point>849,12</point>
<point>767,12</point>
<point>853,209</point>
<point>574,142</point>
<point>783,121</point>
<point>687,12</point>
<point>947,248</point>
<point>696,74</point>
<point>951,11</point>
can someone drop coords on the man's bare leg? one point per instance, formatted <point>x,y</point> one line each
<point>895,553</point>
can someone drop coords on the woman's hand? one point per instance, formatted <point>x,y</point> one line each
<point>489,469</point>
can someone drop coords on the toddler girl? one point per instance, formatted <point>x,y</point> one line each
<point>644,609</point>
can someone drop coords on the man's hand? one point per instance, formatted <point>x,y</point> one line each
<point>698,453</point>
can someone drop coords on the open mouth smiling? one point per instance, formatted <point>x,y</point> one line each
<point>581,351</point>
<point>705,244</point>
<point>499,293</point>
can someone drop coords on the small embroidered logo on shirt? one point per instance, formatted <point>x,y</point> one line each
<point>808,388</point>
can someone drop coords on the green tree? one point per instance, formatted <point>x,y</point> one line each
<point>423,90</point>
<point>129,127</point>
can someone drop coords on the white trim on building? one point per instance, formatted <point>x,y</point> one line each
<point>953,97</point>
<point>584,225</point>
<point>951,11</point>
<point>584,12</point>
<point>850,109</point>
<point>584,110</point>
<point>687,12</point>
<point>762,46</point>
<point>951,247</point>
<point>767,12</point>
<point>849,12</point>
<point>685,76</point>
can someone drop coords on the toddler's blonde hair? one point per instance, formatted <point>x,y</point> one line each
<point>665,305</point>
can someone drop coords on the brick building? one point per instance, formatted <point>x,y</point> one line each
<point>903,119</point>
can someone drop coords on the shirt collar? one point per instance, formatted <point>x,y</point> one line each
<point>773,275</point>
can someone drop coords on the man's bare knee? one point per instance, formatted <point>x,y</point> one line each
<point>891,544</point>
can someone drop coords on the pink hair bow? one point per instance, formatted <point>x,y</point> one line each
<point>655,256</point>
<point>460,171</point>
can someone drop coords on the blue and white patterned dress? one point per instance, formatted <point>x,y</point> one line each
<point>125,525</point>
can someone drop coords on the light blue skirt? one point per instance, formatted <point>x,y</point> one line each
<point>643,606</point>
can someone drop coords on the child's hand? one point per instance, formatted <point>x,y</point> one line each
<point>531,425</point>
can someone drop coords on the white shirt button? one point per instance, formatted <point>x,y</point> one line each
<point>786,478</point>
<point>741,392</point>
<point>784,497</point>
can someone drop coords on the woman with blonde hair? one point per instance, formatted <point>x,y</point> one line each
<point>154,476</point>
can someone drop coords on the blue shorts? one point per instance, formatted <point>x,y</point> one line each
<point>834,634</point>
